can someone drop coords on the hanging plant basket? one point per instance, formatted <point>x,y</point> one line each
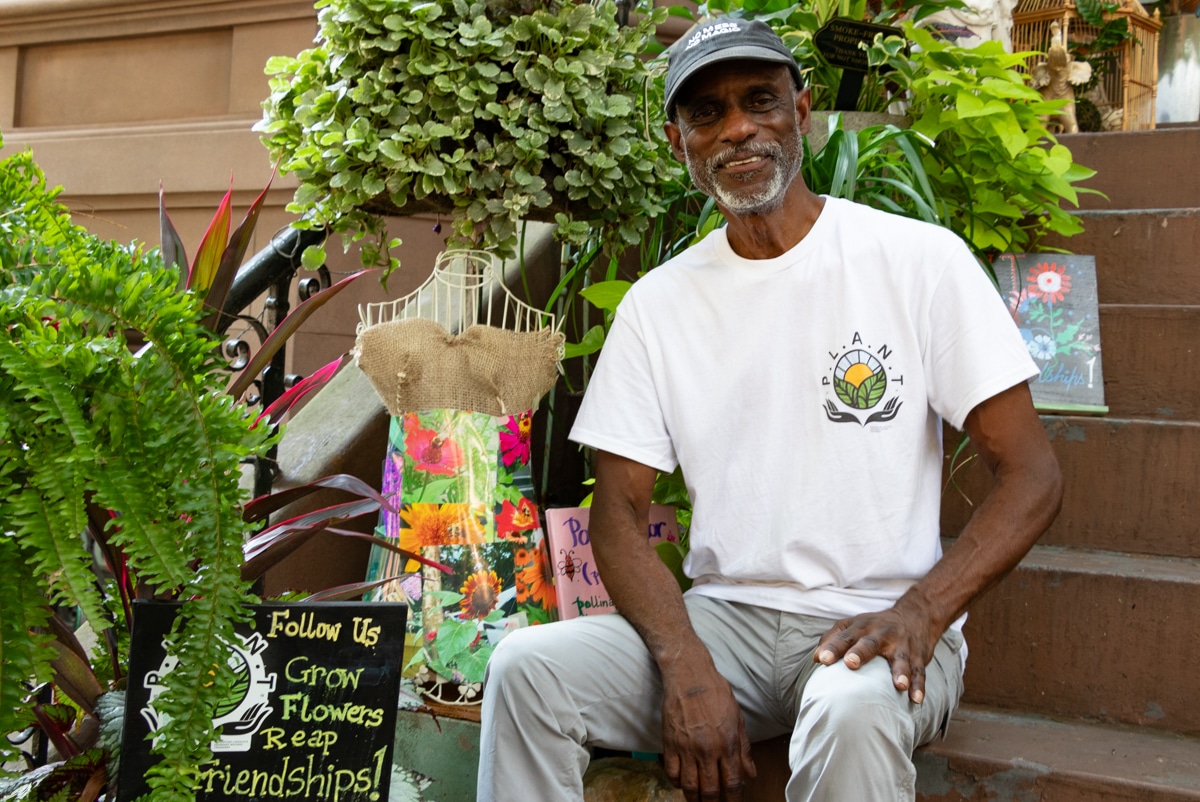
<point>487,113</point>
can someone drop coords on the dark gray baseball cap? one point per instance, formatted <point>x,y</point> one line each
<point>724,39</point>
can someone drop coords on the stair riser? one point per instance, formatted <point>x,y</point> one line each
<point>1142,257</point>
<point>939,780</point>
<point>1151,358</point>
<point>1140,170</point>
<point>1091,643</point>
<point>1148,506</point>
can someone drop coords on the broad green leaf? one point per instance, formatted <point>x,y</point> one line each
<point>606,294</point>
<point>590,344</point>
<point>968,105</point>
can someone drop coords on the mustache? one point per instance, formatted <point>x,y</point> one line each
<point>772,150</point>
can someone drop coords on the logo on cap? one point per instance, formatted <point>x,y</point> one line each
<point>712,30</point>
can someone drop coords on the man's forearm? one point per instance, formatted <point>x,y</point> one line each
<point>642,587</point>
<point>1020,507</point>
<point>1023,502</point>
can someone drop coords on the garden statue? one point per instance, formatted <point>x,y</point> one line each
<point>1057,75</point>
<point>986,19</point>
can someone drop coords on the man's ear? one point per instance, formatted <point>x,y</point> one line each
<point>803,107</point>
<point>675,138</point>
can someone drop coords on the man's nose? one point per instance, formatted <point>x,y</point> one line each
<point>739,125</point>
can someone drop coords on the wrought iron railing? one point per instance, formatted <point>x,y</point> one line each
<point>271,271</point>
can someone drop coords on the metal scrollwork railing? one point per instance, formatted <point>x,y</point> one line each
<point>269,272</point>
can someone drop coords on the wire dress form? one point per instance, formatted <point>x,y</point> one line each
<point>460,344</point>
<point>461,340</point>
<point>462,289</point>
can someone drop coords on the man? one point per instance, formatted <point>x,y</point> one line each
<point>797,365</point>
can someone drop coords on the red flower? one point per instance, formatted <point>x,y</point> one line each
<point>432,452</point>
<point>512,520</point>
<point>514,439</point>
<point>1049,282</point>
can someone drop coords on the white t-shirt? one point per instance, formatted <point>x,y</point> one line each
<point>802,395</point>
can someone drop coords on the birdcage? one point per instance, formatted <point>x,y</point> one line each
<point>1125,77</point>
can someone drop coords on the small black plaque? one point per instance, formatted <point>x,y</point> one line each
<point>314,714</point>
<point>839,41</point>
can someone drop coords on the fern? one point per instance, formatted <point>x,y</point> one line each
<point>153,437</point>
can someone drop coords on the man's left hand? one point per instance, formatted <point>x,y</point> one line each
<point>904,636</point>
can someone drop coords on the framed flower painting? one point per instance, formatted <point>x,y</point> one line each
<point>1052,298</point>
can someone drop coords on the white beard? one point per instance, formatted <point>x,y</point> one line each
<point>787,157</point>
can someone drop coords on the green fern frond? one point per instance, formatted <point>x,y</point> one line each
<point>152,437</point>
<point>25,657</point>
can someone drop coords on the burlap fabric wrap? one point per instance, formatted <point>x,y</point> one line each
<point>417,365</point>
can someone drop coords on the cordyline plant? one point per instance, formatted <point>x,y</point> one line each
<point>488,113</point>
<point>116,420</point>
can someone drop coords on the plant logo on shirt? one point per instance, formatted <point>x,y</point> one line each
<point>858,382</point>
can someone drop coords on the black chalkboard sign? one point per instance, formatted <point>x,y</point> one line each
<point>314,713</point>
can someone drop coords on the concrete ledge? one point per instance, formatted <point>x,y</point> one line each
<point>993,756</point>
<point>26,22</point>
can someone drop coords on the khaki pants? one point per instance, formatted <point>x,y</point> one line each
<point>554,691</point>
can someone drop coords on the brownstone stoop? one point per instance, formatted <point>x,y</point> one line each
<point>1084,676</point>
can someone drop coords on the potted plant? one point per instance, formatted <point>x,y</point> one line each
<point>118,420</point>
<point>485,113</point>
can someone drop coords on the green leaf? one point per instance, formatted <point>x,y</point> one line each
<point>872,389</point>
<point>968,105</point>
<point>606,294</point>
<point>590,344</point>
<point>313,257</point>
<point>453,638</point>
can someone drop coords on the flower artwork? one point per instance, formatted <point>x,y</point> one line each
<point>463,491</point>
<point>1052,298</point>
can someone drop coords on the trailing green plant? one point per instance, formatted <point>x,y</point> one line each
<point>999,174</point>
<point>485,112</point>
<point>798,23</point>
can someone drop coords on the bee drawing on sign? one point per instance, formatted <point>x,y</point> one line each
<point>567,564</point>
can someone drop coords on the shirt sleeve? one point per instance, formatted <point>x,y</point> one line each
<point>621,411</point>
<point>974,349</point>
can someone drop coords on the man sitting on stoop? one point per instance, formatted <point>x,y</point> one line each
<point>797,364</point>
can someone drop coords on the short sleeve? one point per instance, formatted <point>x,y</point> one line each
<point>974,349</point>
<point>621,411</point>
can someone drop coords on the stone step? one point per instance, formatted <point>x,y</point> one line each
<point>1130,485</point>
<point>1140,169</point>
<point>1151,359</point>
<point>1090,634</point>
<point>1144,256</point>
<point>989,755</point>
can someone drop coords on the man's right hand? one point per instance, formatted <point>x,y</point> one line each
<point>705,748</point>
